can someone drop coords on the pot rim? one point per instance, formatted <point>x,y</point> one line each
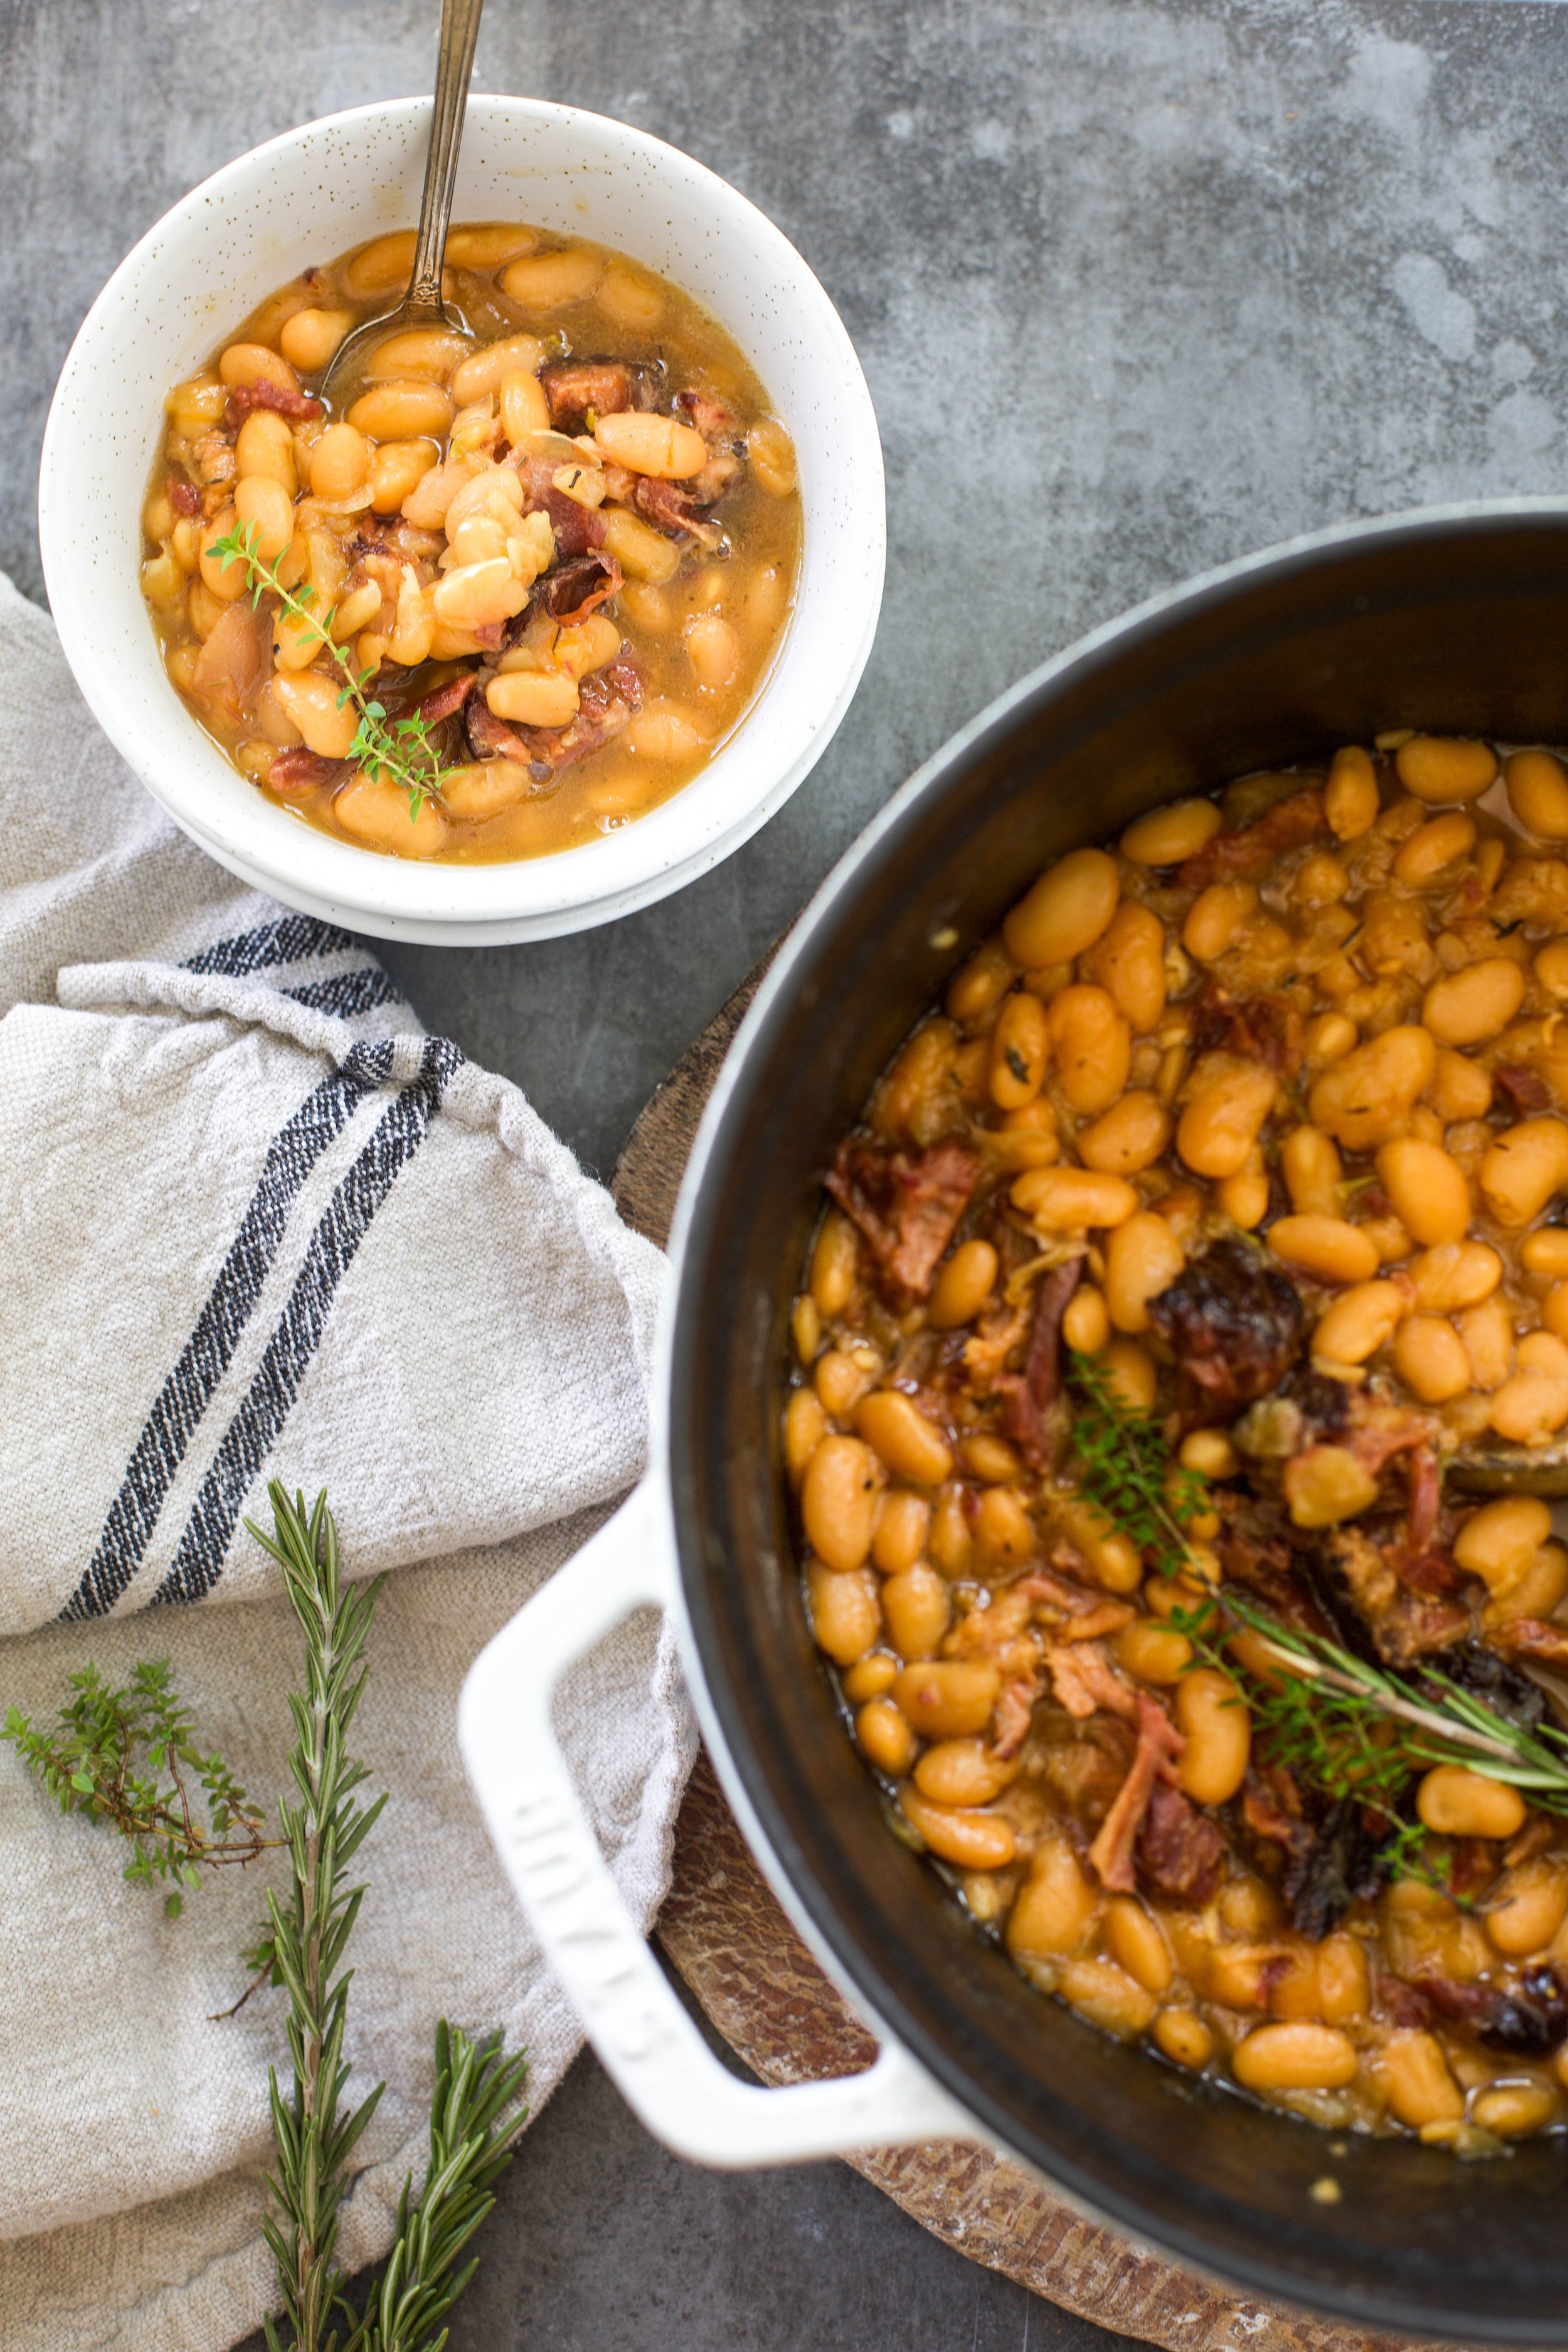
<point>844,1955</point>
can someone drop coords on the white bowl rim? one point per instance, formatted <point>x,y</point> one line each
<point>764,760</point>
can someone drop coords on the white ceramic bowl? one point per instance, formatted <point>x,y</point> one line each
<point>308,195</point>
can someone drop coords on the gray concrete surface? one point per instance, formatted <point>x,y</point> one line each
<point>1137,288</point>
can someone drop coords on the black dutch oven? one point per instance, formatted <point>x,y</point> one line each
<point>1454,621</point>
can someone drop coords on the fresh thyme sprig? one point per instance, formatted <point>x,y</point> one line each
<point>107,1755</point>
<point>1128,1472</point>
<point>399,749</point>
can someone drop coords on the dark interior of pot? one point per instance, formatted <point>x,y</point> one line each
<point>1455,624</point>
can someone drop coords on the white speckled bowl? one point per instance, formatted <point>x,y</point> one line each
<point>307,196</point>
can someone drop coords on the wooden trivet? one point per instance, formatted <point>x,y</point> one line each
<point>759,1987</point>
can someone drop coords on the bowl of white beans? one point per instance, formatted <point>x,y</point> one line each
<point>340,183</point>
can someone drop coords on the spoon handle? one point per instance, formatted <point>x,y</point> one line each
<point>454,66</point>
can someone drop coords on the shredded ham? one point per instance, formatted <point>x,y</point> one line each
<point>1085,1681</point>
<point>1058,1592</point>
<point>1012,1715</point>
<point>1286,825</point>
<point>1160,1746</point>
<point>1029,1396</point>
<point>444,701</point>
<point>247,397</point>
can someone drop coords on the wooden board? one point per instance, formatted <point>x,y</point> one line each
<point>761,1988</point>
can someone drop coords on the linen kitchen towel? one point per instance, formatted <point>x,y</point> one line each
<point>255,1224</point>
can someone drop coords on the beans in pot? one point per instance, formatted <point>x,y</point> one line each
<point>1213,1221</point>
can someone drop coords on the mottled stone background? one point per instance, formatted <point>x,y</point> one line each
<point>1137,288</point>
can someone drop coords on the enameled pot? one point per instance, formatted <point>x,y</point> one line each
<point>1454,619</point>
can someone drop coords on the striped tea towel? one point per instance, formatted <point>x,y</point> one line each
<point>254,1223</point>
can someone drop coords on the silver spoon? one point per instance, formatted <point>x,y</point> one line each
<point>422,305</point>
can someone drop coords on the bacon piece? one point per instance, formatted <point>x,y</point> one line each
<point>1108,1617</point>
<point>1271,1806</point>
<point>1529,2020</point>
<point>1407,1621</point>
<point>301,772</point>
<point>1425,1498</point>
<point>671,507</point>
<point>490,737</point>
<point>574,386</point>
<point>185,496</point>
<point>709,415</point>
<point>1525,1090</point>
<point>1058,1592</point>
<point>233,661</point>
<point>1181,1851</point>
<point>1287,826</point>
<point>907,1205</point>
<point>571,591</point>
<point>444,701</point>
<point>1154,1759</point>
<point>1085,1681</point>
<point>1529,1638</point>
<point>246,397</point>
<point>1029,1396</point>
<point>1266,1029</point>
<point>664,504</point>
<point>1012,1715</point>
<point>1400,2003</point>
<point>609,698</point>
<point>1234,1324</point>
<point>577,529</point>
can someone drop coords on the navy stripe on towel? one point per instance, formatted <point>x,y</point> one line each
<point>257,1425</point>
<point>346,993</point>
<point>290,939</point>
<point>206,1356</point>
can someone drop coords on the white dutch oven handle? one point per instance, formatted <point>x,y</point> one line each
<point>649,2044</point>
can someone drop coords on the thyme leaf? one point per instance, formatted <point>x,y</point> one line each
<point>398,749</point>
<point>129,1759</point>
<point>1128,1471</point>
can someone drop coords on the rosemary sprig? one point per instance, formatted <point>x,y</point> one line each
<point>1128,1471</point>
<point>314,2137</point>
<point>473,2117</point>
<point>107,1755</point>
<point>1358,1734</point>
<point>471,2136</point>
<point>400,749</point>
<point>1431,1721</point>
